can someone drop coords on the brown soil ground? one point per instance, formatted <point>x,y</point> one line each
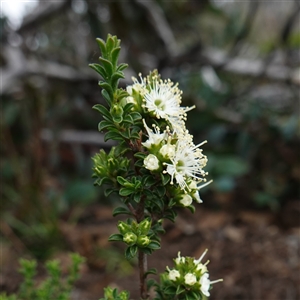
<point>256,253</point>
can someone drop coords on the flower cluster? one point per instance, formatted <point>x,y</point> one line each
<point>189,276</point>
<point>169,145</point>
<point>136,236</point>
<point>154,167</point>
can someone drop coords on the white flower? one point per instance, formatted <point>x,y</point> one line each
<point>186,200</point>
<point>154,138</point>
<point>130,99</point>
<point>167,151</point>
<point>187,163</point>
<point>205,284</point>
<point>151,162</point>
<point>190,279</point>
<point>173,275</point>
<point>197,261</point>
<point>163,98</point>
<point>137,86</point>
<point>179,259</point>
<point>196,196</point>
<point>202,268</point>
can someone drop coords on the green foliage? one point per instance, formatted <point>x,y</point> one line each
<point>55,286</point>
<point>112,294</point>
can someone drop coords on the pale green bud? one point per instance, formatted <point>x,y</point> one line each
<point>186,200</point>
<point>144,226</point>
<point>123,227</point>
<point>130,238</point>
<point>143,241</point>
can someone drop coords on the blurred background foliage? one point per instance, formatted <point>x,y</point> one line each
<point>237,61</point>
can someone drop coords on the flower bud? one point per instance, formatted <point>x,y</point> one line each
<point>130,99</point>
<point>186,200</point>
<point>144,226</point>
<point>173,275</point>
<point>167,151</point>
<point>190,279</point>
<point>129,238</point>
<point>129,90</point>
<point>143,241</point>
<point>116,113</point>
<point>123,227</point>
<point>202,268</point>
<point>179,260</point>
<point>151,162</point>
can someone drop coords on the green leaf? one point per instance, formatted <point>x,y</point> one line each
<point>170,215</point>
<point>150,283</point>
<point>180,289</point>
<point>116,238</point>
<point>104,180</point>
<point>193,296</point>
<point>128,255</point>
<point>107,97</point>
<point>107,192</point>
<point>161,191</point>
<point>133,250</point>
<point>128,119</point>
<point>134,136</point>
<point>158,202</point>
<point>192,208</point>
<point>113,136</point>
<point>110,42</point>
<point>154,245</point>
<point>136,116</point>
<point>99,69</point>
<point>125,134</point>
<point>118,119</point>
<point>122,67</point>
<point>120,211</point>
<point>149,181</point>
<point>103,111</point>
<point>115,79</point>
<point>147,250</point>
<point>105,125</point>
<point>102,45</point>
<point>137,197</point>
<point>121,180</point>
<point>107,66</point>
<point>141,155</point>
<point>150,271</point>
<point>170,290</point>
<point>108,89</point>
<point>125,192</point>
<point>165,178</point>
<point>115,55</point>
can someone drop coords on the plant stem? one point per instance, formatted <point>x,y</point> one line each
<point>142,257</point>
<point>143,269</point>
